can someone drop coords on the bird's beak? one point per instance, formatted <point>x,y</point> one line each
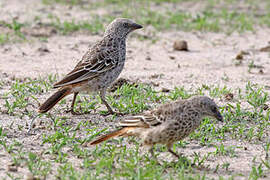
<point>219,117</point>
<point>136,26</point>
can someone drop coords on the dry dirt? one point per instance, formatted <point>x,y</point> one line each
<point>210,60</point>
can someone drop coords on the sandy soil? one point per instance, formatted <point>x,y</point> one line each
<point>211,60</point>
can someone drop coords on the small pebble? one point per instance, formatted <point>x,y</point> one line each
<point>180,45</point>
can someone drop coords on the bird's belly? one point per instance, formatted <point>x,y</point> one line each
<point>165,135</point>
<point>106,79</point>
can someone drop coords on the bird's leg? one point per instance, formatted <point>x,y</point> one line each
<point>174,153</point>
<point>103,99</point>
<point>169,146</point>
<point>72,105</point>
<point>34,118</point>
<point>151,150</point>
<point>31,124</point>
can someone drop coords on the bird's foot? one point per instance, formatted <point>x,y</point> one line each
<point>178,156</point>
<point>75,113</point>
<point>113,113</point>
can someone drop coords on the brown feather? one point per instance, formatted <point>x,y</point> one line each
<point>55,98</point>
<point>145,121</point>
<point>116,133</point>
<point>70,79</point>
<point>90,65</point>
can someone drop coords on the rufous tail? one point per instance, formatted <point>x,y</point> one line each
<point>116,133</point>
<point>54,99</point>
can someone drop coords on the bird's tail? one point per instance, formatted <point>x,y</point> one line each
<point>55,98</point>
<point>116,133</point>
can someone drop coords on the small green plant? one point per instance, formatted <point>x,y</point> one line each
<point>4,38</point>
<point>37,166</point>
<point>63,142</point>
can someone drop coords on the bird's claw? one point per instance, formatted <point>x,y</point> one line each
<point>113,113</point>
<point>74,112</point>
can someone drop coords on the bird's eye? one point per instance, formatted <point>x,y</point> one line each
<point>125,25</point>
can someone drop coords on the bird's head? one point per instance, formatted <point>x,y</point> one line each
<point>121,27</point>
<point>207,107</point>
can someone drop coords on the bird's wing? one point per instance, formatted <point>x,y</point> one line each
<point>163,113</point>
<point>145,120</point>
<point>101,58</point>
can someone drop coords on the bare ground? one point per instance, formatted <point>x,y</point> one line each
<point>211,58</point>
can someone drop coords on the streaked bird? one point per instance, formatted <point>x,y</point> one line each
<point>99,67</point>
<point>166,124</point>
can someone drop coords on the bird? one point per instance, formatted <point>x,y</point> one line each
<point>166,124</point>
<point>99,67</point>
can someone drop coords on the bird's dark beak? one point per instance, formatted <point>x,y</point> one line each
<point>218,116</point>
<point>136,26</point>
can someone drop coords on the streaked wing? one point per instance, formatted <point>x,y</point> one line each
<point>155,117</point>
<point>145,120</point>
<point>98,60</point>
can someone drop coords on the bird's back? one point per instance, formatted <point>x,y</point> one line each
<point>102,57</point>
<point>168,111</point>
